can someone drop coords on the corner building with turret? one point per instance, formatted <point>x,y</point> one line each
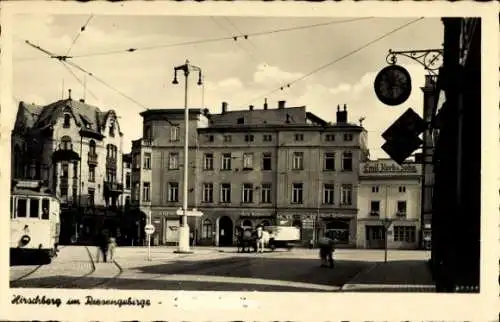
<point>270,166</point>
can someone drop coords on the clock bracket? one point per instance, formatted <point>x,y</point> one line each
<point>431,59</point>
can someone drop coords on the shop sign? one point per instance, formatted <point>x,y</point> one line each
<point>383,168</point>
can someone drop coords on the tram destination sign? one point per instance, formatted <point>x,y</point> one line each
<point>389,168</point>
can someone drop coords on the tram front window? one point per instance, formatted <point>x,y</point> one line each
<point>21,208</point>
<point>45,208</point>
<point>34,208</point>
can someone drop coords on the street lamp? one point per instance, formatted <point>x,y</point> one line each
<point>187,68</point>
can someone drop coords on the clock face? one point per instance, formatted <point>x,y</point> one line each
<point>393,85</point>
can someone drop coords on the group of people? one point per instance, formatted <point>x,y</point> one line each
<point>248,239</point>
<point>106,246</point>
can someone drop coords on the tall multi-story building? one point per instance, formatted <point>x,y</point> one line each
<point>281,165</point>
<point>389,191</point>
<point>75,149</point>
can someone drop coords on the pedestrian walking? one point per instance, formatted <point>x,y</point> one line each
<point>260,239</point>
<point>111,247</point>
<point>326,249</point>
<point>102,246</point>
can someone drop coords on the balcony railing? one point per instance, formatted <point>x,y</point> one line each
<point>92,158</point>
<point>64,182</point>
<point>113,186</point>
<point>374,213</point>
<point>401,214</point>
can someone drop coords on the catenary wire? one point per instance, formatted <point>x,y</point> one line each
<point>72,64</point>
<point>240,32</point>
<point>79,80</point>
<point>82,29</point>
<point>252,56</point>
<point>209,40</point>
<point>331,63</point>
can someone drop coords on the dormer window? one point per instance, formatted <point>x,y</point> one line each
<point>112,128</point>
<point>67,120</point>
<point>66,143</point>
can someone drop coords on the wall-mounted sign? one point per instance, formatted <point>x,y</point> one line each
<point>387,168</point>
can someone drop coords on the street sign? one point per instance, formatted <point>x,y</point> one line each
<point>149,229</point>
<point>189,213</point>
<point>402,136</point>
<point>387,223</point>
<point>399,150</point>
<point>408,124</point>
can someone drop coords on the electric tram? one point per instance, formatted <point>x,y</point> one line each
<point>34,221</point>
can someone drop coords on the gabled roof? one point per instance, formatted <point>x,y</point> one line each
<point>87,116</point>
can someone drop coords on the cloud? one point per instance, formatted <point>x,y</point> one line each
<point>342,88</point>
<point>233,83</point>
<point>270,75</point>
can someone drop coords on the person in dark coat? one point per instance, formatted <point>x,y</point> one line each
<point>326,249</point>
<point>102,244</point>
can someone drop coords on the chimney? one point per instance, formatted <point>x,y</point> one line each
<point>342,115</point>
<point>224,107</point>
<point>251,107</point>
<point>429,81</point>
<point>281,104</point>
<point>265,103</point>
<point>82,100</point>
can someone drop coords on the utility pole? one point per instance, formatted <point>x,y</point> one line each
<point>187,68</point>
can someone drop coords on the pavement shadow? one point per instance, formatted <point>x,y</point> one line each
<point>29,259</point>
<point>409,272</point>
<point>277,269</point>
<point>155,284</point>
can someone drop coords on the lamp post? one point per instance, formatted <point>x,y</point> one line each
<point>187,68</point>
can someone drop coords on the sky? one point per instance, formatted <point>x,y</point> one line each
<point>240,72</point>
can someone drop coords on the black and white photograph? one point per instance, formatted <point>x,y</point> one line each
<point>333,155</point>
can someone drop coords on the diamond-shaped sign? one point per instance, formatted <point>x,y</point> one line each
<point>400,150</point>
<point>408,124</point>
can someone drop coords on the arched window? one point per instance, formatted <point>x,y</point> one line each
<point>111,151</point>
<point>92,147</point>
<point>265,223</point>
<point>247,223</point>
<point>206,229</point>
<point>66,143</point>
<point>297,223</point>
<point>67,120</point>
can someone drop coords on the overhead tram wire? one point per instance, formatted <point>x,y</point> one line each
<point>79,80</point>
<point>63,59</point>
<point>240,33</point>
<point>209,40</point>
<point>82,29</point>
<point>329,64</point>
<point>252,56</point>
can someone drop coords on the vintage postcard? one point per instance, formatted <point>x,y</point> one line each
<point>249,161</point>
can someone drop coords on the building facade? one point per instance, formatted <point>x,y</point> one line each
<point>389,191</point>
<point>270,166</point>
<point>75,149</point>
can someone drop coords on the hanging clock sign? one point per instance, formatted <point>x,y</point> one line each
<point>393,85</point>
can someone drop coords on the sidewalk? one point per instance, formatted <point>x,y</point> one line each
<point>135,256</point>
<point>393,276</point>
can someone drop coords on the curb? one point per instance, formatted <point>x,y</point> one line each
<point>356,277</point>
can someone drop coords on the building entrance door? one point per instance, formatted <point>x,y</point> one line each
<point>338,229</point>
<point>225,231</point>
<point>375,237</point>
